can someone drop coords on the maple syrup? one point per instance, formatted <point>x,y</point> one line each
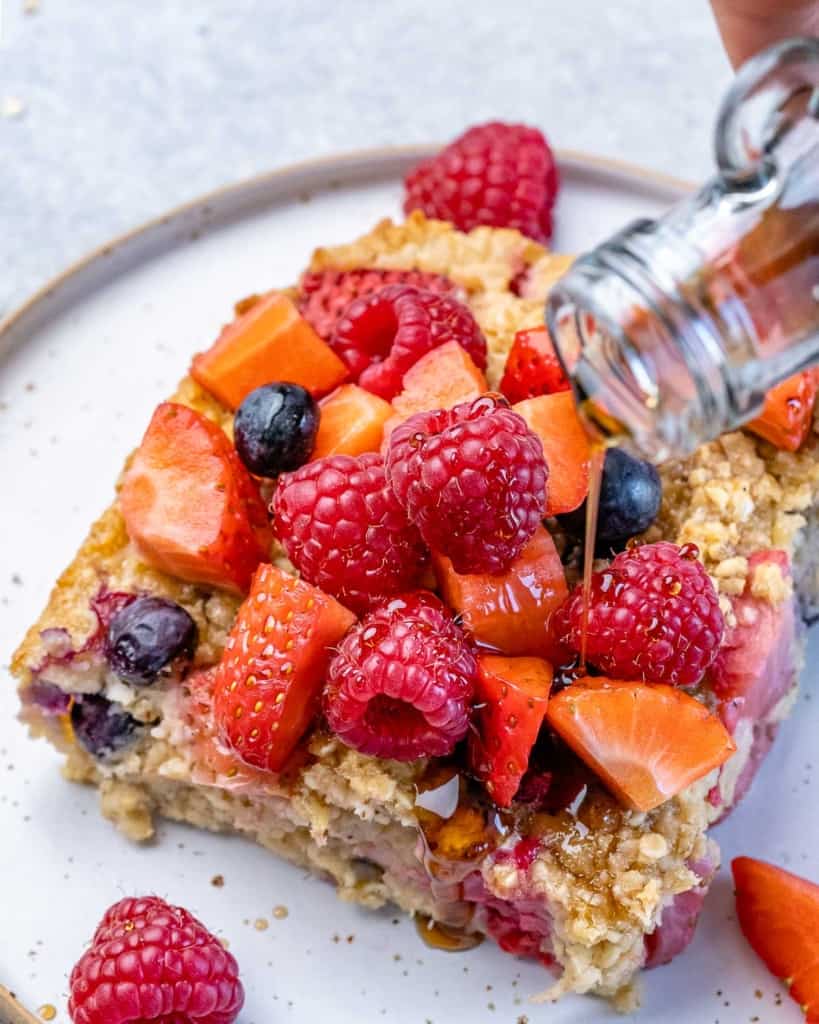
<point>446,937</point>
<point>596,460</point>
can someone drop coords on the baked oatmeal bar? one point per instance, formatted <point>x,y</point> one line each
<point>602,891</point>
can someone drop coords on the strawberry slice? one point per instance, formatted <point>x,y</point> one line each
<point>440,379</point>
<point>779,916</point>
<point>645,741</point>
<point>511,696</point>
<point>510,613</point>
<point>267,685</point>
<point>269,341</point>
<point>352,422</point>
<point>189,504</point>
<point>565,446</point>
<point>787,415</point>
<point>532,367</point>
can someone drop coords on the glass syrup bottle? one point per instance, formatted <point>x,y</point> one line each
<point>673,330</point>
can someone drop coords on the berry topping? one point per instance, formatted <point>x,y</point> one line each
<point>186,465</point>
<point>502,175</point>
<point>151,636</point>
<point>325,294</point>
<point>510,612</point>
<point>269,335</point>
<point>779,916</point>
<point>344,530</point>
<point>787,415</point>
<point>267,684</point>
<point>630,496</point>
<point>352,422</point>
<point>532,367</point>
<point>275,428</point>
<point>653,615</point>
<point>381,335</point>
<point>150,961</point>
<point>401,683</point>
<point>100,726</point>
<point>473,479</point>
<point>646,742</point>
<point>565,447</point>
<point>511,696</point>
<point>441,379</point>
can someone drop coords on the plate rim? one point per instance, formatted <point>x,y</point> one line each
<point>342,161</point>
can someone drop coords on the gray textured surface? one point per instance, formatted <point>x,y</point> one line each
<point>131,106</point>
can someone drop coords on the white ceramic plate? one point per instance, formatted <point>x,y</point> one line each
<point>81,368</point>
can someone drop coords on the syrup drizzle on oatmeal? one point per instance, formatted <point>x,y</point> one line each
<point>596,460</point>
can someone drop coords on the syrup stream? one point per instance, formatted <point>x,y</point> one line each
<point>596,459</point>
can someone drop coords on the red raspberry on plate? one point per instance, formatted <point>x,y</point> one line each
<point>653,615</point>
<point>325,294</point>
<point>150,961</point>
<point>381,335</point>
<point>344,530</point>
<point>402,681</point>
<point>502,175</point>
<point>532,367</point>
<point>473,479</point>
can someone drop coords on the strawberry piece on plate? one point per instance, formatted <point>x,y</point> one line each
<point>352,422</point>
<point>787,415</point>
<point>189,504</point>
<point>511,696</point>
<point>269,341</point>
<point>267,685</point>
<point>645,741</point>
<point>532,367</point>
<point>441,379</point>
<point>779,916</point>
<point>510,613</point>
<point>565,446</point>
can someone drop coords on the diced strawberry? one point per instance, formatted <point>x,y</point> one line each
<point>352,422</point>
<point>646,741</point>
<point>511,697</point>
<point>510,613</point>
<point>748,675</point>
<point>267,685</point>
<point>532,367</point>
<point>190,506</point>
<point>269,341</point>
<point>753,671</point>
<point>787,415</point>
<point>441,379</point>
<point>779,916</point>
<point>565,445</point>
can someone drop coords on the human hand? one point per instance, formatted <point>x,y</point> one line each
<point>748,26</point>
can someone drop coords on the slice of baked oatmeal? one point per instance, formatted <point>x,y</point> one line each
<point>567,873</point>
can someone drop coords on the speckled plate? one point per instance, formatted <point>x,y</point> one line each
<point>81,367</point>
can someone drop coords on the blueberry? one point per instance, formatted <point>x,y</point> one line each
<point>275,428</point>
<point>147,637</point>
<point>101,727</point>
<point>630,495</point>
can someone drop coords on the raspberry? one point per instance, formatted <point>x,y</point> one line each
<point>381,335</point>
<point>149,961</point>
<point>324,294</point>
<point>503,175</point>
<point>653,615</point>
<point>344,530</point>
<point>473,479</point>
<point>401,683</point>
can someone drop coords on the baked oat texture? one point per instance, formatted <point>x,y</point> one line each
<point>351,818</point>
